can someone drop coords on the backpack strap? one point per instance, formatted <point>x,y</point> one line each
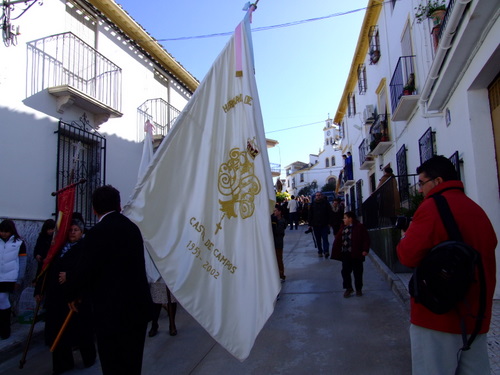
<point>482,304</point>
<point>447,217</point>
<point>454,234</point>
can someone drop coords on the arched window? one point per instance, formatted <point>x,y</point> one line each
<point>333,181</point>
<point>333,161</point>
<point>327,163</point>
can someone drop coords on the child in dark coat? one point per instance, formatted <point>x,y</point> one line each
<point>351,246</point>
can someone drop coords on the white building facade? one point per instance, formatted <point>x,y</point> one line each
<point>419,88</point>
<point>323,168</point>
<point>77,84</point>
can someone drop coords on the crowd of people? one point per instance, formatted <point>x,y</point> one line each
<point>99,271</point>
<point>454,342</point>
<point>351,240</point>
<point>94,291</point>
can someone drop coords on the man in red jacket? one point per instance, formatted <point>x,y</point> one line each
<point>436,339</point>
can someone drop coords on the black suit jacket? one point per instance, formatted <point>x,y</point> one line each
<point>112,275</point>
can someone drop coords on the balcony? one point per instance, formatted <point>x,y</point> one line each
<point>404,95</point>
<point>161,114</point>
<point>461,32</point>
<point>379,133</point>
<point>366,159</point>
<point>76,74</point>
<point>275,169</point>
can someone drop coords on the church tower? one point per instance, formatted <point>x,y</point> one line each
<point>330,133</point>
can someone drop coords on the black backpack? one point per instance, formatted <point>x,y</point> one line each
<point>443,278</point>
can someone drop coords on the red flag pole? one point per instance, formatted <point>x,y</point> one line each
<point>30,334</point>
<point>54,248</point>
<point>61,331</point>
<point>82,181</point>
<point>65,202</point>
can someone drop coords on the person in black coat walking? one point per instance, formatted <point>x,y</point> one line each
<point>43,242</point>
<point>320,216</point>
<point>113,275</point>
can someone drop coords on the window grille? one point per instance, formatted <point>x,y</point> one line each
<point>353,199</point>
<point>362,79</point>
<point>403,185</point>
<point>327,162</point>
<point>81,154</point>
<point>456,162</point>
<point>427,145</point>
<point>359,198</point>
<point>374,51</point>
<point>351,105</point>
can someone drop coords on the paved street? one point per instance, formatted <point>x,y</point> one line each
<point>313,330</point>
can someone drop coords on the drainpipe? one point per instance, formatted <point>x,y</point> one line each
<point>443,47</point>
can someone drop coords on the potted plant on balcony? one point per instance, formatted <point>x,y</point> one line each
<point>409,88</point>
<point>434,9</point>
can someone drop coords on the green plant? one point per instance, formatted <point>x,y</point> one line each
<point>281,196</point>
<point>410,84</point>
<point>413,202</point>
<point>426,9</point>
<point>328,187</point>
<point>306,190</point>
<point>409,88</point>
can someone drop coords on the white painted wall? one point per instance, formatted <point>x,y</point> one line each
<point>28,145</point>
<point>470,131</point>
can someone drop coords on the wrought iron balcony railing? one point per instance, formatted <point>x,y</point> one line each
<point>66,60</point>
<point>397,196</point>
<point>404,72</point>
<point>403,90</point>
<point>160,113</point>
<point>379,135</point>
<point>366,160</point>
<point>275,168</point>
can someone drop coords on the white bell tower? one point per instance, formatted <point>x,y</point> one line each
<point>330,132</point>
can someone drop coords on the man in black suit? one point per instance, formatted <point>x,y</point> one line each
<point>112,276</point>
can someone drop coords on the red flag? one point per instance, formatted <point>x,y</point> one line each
<point>65,204</point>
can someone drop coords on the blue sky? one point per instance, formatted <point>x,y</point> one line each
<point>301,70</point>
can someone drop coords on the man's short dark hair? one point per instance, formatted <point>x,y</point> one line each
<point>106,199</point>
<point>388,170</point>
<point>350,214</point>
<point>439,166</point>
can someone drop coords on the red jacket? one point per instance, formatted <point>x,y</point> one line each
<point>360,242</point>
<point>427,230</point>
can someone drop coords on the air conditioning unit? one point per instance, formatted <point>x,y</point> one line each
<point>368,114</point>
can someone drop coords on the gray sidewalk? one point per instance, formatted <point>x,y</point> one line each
<point>313,330</point>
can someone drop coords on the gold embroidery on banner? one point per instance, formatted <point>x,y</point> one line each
<point>236,100</point>
<point>238,182</point>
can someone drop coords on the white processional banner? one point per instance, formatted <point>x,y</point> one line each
<point>147,155</point>
<point>204,204</point>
